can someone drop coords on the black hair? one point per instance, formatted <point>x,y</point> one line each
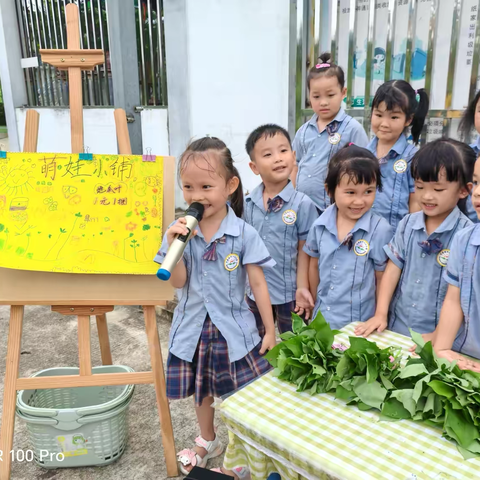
<point>265,131</point>
<point>399,93</point>
<point>205,144</point>
<point>359,164</point>
<point>329,70</point>
<point>467,123</point>
<point>456,158</point>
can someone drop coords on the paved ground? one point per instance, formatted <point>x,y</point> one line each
<point>50,340</point>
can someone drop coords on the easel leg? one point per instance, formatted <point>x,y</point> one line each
<point>161,391</point>
<point>104,340</point>
<point>10,392</point>
<point>84,345</point>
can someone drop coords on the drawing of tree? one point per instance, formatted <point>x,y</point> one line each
<point>57,247</point>
<point>134,244</point>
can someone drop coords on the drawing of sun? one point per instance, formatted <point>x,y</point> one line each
<point>15,180</point>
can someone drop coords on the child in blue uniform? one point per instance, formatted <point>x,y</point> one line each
<point>459,327</point>
<point>346,242</point>
<point>470,121</point>
<point>419,251</point>
<point>394,109</point>
<point>326,132</point>
<point>214,345</point>
<point>282,217</point>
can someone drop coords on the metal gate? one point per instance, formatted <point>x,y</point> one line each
<point>433,44</point>
<point>42,24</point>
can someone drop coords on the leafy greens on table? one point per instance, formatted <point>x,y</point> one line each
<point>427,388</point>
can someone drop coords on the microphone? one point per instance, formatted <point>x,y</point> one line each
<point>175,251</point>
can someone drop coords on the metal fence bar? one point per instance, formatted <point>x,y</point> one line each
<point>412,23</point>
<point>152,56</point>
<point>457,15</point>
<point>161,54</point>
<point>390,39</point>
<point>369,66</point>
<point>143,77</point>
<point>335,19</point>
<point>351,49</point>
<point>431,47</point>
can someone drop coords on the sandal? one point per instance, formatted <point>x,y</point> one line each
<point>242,473</point>
<point>189,457</point>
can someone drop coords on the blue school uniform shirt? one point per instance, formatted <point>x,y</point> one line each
<point>397,182</point>
<point>281,231</point>
<point>217,288</point>
<point>463,271</point>
<point>346,292</point>
<point>471,213</point>
<point>314,150</point>
<point>420,292</point>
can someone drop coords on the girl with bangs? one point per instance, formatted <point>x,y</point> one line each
<point>419,251</point>
<point>346,242</point>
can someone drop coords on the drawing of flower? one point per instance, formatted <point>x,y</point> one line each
<point>131,226</point>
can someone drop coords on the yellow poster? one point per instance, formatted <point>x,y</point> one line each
<point>80,213</point>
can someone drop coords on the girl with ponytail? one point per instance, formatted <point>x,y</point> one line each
<point>395,107</point>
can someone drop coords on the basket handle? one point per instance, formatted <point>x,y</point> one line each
<point>36,420</point>
<point>99,417</point>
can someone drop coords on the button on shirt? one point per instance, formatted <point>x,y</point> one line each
<point>314,151</point>
<point>471,213</point>
<point>282,231</point>
<point>421,289</point>
<point>213,289</point>
<point>346,292</point>
<point>397,182</point>
<point>463,271</point>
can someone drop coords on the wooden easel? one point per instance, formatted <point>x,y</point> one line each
<point>84,295</point>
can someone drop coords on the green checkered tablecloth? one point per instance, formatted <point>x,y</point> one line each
<point>272,428</point>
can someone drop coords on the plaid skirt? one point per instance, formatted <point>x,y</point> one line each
<point>211,374</point>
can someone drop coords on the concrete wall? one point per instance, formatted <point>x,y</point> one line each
<point>232,62</point>
<point>100,135</point>
<point>238,53</point>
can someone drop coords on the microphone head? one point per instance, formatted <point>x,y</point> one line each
<point>163,274</point>
<point>195,210</point>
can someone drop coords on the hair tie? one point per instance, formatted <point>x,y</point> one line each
<point>322,65</point>
<point>350,144</point>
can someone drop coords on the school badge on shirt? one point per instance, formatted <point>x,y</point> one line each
<point>400,166</point>
<point>289,217</point>
<point>231,262</point>
<point>361,247</point>
<point>334,138</point>
<point>442,257</point>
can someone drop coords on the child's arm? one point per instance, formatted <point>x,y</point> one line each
<point>451,318</point>
<point>378,280</point>
<point>259,287</point>
<point>313,277</point>
<point>387,287</point>
<point>303,297</point>
<point>413,206</point>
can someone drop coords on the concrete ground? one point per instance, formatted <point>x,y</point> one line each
<point>50,340</point>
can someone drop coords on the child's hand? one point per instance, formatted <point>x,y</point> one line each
<point>304,302</point>
<point>268,342</point>
<point>462,362</point>
<point>378,323</point>
<point>178,228</point>
<point>428,337</point>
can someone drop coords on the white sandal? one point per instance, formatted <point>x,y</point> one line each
<point>189,457</point>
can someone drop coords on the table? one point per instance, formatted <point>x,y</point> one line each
<point>274,428</point>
